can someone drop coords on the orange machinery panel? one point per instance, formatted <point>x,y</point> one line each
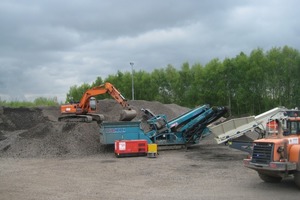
<point>131,148</point>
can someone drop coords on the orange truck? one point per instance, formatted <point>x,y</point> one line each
<point>278,156</point>
<point>86,110</point>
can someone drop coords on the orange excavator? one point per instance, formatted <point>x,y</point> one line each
<point>85,110</point>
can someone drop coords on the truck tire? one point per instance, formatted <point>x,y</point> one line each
<point>269,179</point>
<point>297,178</point>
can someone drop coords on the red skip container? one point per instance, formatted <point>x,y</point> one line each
<point>131,148</point>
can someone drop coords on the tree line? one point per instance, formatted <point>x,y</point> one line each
<point>247,84</point>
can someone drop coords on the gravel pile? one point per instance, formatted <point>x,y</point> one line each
<point>35,132</point>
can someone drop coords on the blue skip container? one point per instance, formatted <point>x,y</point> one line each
<point>112,131</point>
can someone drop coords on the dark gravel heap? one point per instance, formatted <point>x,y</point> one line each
<point>35,132</point>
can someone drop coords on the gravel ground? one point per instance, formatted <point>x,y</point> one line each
<point>41,158</point>
<point>203,172</point>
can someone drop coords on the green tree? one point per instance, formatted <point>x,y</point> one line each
<point>291,76</point>
<point>144,87</point>
<point>76,92</point>
<point>240,96</point>
<point>213,83</point>
<point>196,88</point>
<point>164,90</point>
<point>183,85</point>
<point>97,82</point>
<point>255,79</point>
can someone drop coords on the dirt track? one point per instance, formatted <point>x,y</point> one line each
<point>41,158</point>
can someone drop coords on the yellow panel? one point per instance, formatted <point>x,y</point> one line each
<point>152,148</point>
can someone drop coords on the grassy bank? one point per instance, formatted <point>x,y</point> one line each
<point>41,101</point>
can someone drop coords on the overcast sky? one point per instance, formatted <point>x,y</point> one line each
<point>47,46</point>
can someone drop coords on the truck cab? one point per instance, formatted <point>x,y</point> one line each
<point>278,156</point>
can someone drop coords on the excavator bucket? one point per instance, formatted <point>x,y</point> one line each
<point>127,115</point>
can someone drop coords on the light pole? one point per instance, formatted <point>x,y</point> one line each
<point>132,82</point>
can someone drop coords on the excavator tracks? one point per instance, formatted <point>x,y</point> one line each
<point>82,118</point>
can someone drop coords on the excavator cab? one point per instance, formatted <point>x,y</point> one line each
<point>93,104</point>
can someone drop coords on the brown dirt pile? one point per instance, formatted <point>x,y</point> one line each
<point>35,132</point>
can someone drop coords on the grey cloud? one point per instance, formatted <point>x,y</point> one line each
<point>51,45</point>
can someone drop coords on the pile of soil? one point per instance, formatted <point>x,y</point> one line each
<point>35,132</point>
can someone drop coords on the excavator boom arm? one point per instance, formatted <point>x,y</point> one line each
<point>102,89</point>
<point>84,108</point>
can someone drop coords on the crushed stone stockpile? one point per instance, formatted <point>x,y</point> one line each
<point>35,132</point>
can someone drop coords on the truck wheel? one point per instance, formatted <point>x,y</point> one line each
<point>269,179</point>
<point>297,178</point>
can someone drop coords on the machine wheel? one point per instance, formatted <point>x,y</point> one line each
<point>269,179</point>
<point>297,178</point>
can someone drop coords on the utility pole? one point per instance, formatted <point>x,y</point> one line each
<point>132,81</point>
